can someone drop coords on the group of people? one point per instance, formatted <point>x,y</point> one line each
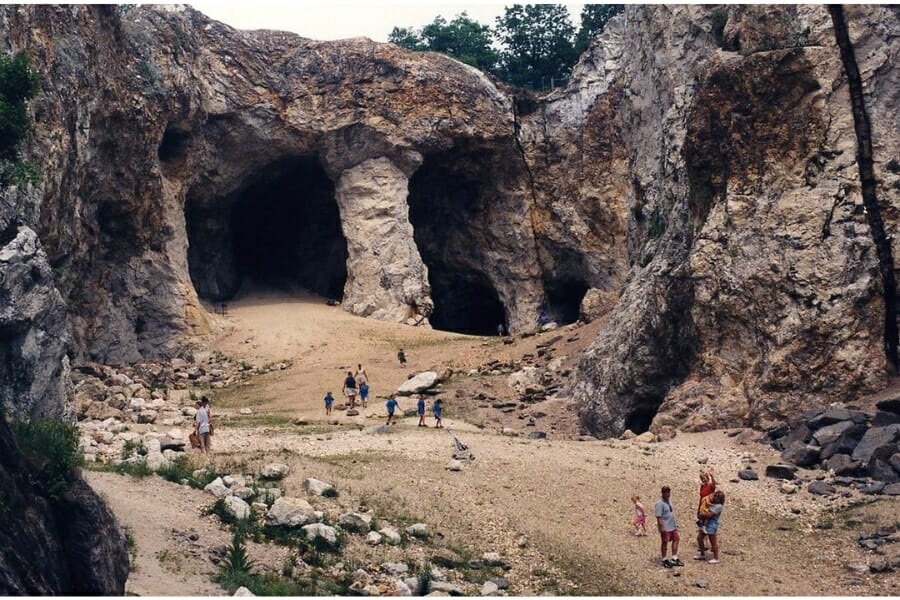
<point>357,385</point>
<point>709,510</point>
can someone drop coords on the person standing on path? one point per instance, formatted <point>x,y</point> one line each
<point>717,504</point>
<point>436,406</point>
<point>707,487</point>
<point>350,389</point>
<point>420,410</point>
<point>362,380</point>
<point>391,407</point>
<point>202,425</point>
<point>329,402</point>
<point>401,356</point>
<point>361,375</point>
<point>668,528</point>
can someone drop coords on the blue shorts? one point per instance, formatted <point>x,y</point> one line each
<point>712,526</point>
<point>364,393</point>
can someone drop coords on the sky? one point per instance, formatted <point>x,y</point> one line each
<point>337,20</point>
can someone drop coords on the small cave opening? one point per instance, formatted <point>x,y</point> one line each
<point>563,299</point>
<point>173,145</point>
<point>282,230</point>
<point>449,213</point>
<point>640,418</point>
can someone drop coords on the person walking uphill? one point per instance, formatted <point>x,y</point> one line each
<point>668,529</point>
<point>203,426</point>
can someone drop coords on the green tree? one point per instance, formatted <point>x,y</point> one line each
<point>462,38</point>
<point>18,84</point>
<point>406,37</point>
<point>538,44</point>
<point>594,18</point>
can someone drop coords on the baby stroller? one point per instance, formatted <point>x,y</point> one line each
<point>461,451</point>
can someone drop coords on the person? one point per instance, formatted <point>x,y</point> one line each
<point>500,329</point>
<point>202,425</point>
<point>361,375</point>
<point>668,528</point>
<point>350,389</point>
<point>715,506</point>
<point>707,487</point>
<point>391,407</point>
<point>329,401</point>
<point>401,356</point>
<point>543,319</point>
<point>640,516</point>
<point>420,409</point>
<point>364,394</point>
<point>436,408</point>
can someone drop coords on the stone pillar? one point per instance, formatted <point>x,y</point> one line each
<point>386,278</point>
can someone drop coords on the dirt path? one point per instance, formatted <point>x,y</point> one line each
<point>558,510</point>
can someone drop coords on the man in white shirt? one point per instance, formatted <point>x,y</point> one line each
<point>668,529</point>
<point>202,425</point>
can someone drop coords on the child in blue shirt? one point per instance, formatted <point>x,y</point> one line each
<point>420,409</point>
<point>329,401</point>
<point>364,394</point>
<point>436,407</point>
<point>391,407</point>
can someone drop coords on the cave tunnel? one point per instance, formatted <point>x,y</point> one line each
<point>448,211</point>
<point>642,415</point>
<point>563,299</point>
<point>280,230</point>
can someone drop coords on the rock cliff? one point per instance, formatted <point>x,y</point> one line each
<point>697,181</point>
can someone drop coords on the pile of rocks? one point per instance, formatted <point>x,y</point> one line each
<point>117,407</point>
<point>854,445</point>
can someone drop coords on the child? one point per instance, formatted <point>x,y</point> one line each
<point>436,407</point>
<point>391,407</point>
<point>420,409</point>
<point>329,401</point>
<point>364,394</point>
<point>707,487</point>
<point>401,356</point>
<point>640,516</point>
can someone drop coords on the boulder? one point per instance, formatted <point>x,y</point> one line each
<point>156,461</point>
<point>317,487</point>
<point>454,465</point>
<point>879,466</point>
<point>894,461</point>
<point>836,415</point>
<point>883,417</point>
<point>321,533</point>
<point>391,535</point>
<point>788,488</point>
<point>443,586</point>
<point>892,489</point>
<point>800,454</point>
<point>842,464</point>
<point>100,411</point>
<point>217,488</point>
<point>843,445</point>
<point>269,494</point>
<point>243,492</point>
<point>537,435</point>
<point>418,384</point>
<point>820,488</point>
<point>595,304</point>
<point>290,512</point>
<point>875,438</point>
<point>354,521</point>
<point>781,471</point>
<point>147,416</point>
<point>489,588</point>
<point>237,507</point>
<point>876,487</point>
<point>242,591</point>
<point>830,433</point>
<point>275,471</point>
<point>648,437</point>
<point>402,589</point>
<point>492,559</point>
<point>800,433</point>
<point>396,569</point>
<point>523,379</point>
<point>373,538</point>
<point>234,480</point>
<point>748,475</point>
<point>419,530</point>
<point>891,405</point>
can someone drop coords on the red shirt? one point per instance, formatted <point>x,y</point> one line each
<point>705,490</point>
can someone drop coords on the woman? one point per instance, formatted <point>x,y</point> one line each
<point>350,389</point>
<point>711,530</point>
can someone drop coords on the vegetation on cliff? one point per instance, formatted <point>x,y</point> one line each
<point>18,84</point>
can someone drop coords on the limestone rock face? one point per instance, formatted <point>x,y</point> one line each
<point>33,342</point>
<point>754,286</point>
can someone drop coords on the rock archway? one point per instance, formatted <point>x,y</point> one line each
<point>280,228</point>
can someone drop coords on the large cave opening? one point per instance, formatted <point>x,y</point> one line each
<point>448,208</point>
<point>281,229</point>
<point>563,299</point>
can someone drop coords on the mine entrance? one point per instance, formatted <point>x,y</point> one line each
<point>563,299</point>
<point>281,229</point>
<point>449,213</point>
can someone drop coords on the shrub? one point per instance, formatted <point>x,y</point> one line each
<point>18,85</point>
<point>51,447</point>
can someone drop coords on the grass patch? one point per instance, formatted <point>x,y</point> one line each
<point>261,420</point>
<point>51,448</point>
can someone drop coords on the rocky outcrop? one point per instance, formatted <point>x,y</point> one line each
<point>754,292</point>
<point>55,545</point>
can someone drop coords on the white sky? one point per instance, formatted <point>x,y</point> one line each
<point>337,20</point>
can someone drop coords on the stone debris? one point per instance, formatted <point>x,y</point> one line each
<point>275,471</point>
<point>317,487</point>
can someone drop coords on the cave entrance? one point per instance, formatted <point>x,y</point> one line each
<point>281,229</point>
<point>563,299</point>
<point>449,213</point>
